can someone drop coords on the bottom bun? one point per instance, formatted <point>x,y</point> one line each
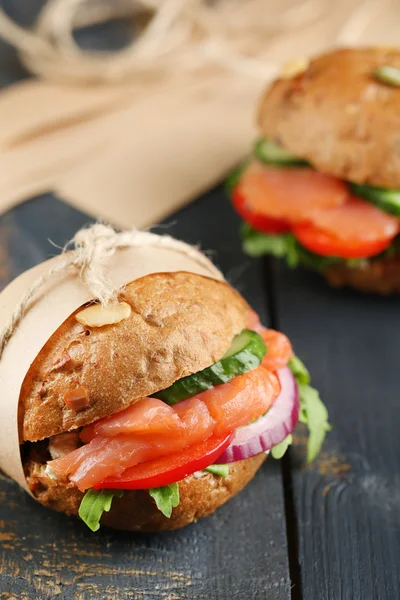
<point>379,276</point>
<point>136,511</point>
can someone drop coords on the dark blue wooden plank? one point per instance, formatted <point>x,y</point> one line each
<point>348,503</point>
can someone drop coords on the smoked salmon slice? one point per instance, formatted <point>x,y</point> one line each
<point>142,418</point>
<point>290,194</point>
<point>279,350</point>
<point>198,424</point>
<point>356,220</point>
<point>116,444</point>
<point>242,400</point>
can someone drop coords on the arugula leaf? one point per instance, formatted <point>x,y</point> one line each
<point>221,470</point>
<point>279,450</point>
<point>283,245</point>
<point>166,498</point>
<point>299,370</point>
<point>94,503</point>
<point>313,412</point>
<point>256,243</point>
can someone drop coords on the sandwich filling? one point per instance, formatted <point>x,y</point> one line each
<point>246,403</point>
<point>294,212</point>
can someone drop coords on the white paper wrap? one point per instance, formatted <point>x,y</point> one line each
<point>60,296</point>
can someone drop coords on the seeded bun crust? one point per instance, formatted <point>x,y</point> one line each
<point>136,511</point>
<point>337,116</point>
<point>380,276</point>
<point>180,323</point>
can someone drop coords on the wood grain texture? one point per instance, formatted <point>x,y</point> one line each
<point>348,503</point>
<point>240,552</point>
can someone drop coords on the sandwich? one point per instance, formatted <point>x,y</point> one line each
<point>152,411</point>
<point>322,188</point>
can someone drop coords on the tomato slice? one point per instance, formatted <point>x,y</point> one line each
<point>327,244</point>
<point>169,469</point>
<point>257,220</point>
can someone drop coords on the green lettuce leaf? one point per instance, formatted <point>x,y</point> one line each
<point>279,450</point>
<point>299,370</point>
<point>221,470</point>
<point>283,245</point>
<point>356,263</point>
<point>166,498</point>
<point>94,503</point>
<point>313,412</point>
<point>256,243</point>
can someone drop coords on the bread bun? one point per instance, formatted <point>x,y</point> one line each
<point>136,510</point>
<point>379,276</point>
<point>337,116</point>
<point>179,324</point>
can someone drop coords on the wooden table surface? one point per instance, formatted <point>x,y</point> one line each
<point>329,531</point>
<point>326,532</point>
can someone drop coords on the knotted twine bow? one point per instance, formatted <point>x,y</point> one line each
<point>87,254</point>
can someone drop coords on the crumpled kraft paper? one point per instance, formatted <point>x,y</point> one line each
<point>137,156</point>
<point>134,152</point>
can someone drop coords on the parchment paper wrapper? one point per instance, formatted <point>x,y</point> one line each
<point>59,298</point>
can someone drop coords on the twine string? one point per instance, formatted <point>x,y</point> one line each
<point>87,253</point>
<point>188,32</point>
<point>180,35</point>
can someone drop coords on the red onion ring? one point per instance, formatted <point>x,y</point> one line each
<point>270,429</point>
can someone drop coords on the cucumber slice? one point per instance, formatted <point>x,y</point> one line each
<point>245,353</point>
<point>270,153</point>
<point>383,198</point>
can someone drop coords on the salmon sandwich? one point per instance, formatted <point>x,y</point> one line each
<point>323,186</point>
<point>151,412</point>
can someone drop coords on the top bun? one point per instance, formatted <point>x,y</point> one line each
<point>180,323</point>
<point>339,117</point>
